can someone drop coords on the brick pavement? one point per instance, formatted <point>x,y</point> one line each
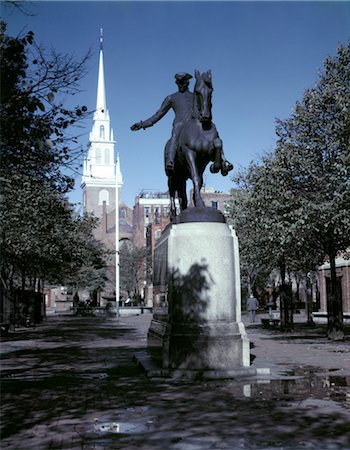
<point>71,384</point>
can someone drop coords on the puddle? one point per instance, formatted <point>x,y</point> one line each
<point>120,427</point>
<point>339,381</point>
<point>294,386</point>
<point>301,386</point>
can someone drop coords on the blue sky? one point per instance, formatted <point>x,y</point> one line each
<point>263,55</point>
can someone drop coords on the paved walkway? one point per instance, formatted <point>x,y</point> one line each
<point>71,383</point>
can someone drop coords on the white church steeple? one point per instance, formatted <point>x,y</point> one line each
<point>101,107</point>
<point>101,172</point>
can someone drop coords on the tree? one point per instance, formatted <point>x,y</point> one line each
<point>132,266</point>
<point>34,134</point>
<point>42,238</point>
<point>293,207</point>
<point>315,142</point>
<point>254,272</point>
<point>264,212</point>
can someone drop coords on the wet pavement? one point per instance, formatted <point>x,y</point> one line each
<point>71,383</point>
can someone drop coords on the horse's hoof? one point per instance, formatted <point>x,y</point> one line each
<point>229,166</point>
<point>226,167</point>
<point>214,169</point>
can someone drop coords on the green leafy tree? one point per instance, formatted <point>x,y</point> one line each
<point>265,214</point>
<point>293,209</point>
<point>35,122</point>
<point>42,238</point>
<point>254,272</point>
<point>315,143</point>
<point>132,262</point>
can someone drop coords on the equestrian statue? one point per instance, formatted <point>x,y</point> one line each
<point>194,141</point>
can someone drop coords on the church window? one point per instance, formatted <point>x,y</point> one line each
<point>157,214</point>
<point>103,196</point>
<point>146,214</point>
<point>98,156</point>
<point>126,243</point>
<point>122,213</point>
<point>102,132</point>
<point>107,156</point>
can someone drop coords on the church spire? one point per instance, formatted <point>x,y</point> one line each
<point>100,167</point>
<point>101,106</point>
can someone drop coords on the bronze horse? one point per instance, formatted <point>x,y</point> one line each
<point>198,144</point>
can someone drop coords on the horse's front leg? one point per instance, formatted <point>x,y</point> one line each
<point>216,166</point>
<point>220,162</point>
<point>195,176</point>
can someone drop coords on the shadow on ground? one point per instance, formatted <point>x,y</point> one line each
<point>72,384</point>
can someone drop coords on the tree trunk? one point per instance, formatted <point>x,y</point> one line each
<point>335,329</point>
<point>285,302</point>
<point>287,308</point>
<point>309,297</point>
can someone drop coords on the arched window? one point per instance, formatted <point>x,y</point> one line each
<point>102,132</point>
<point>98,156</point>
<point>107,156</point>
<point>103,196</point>
<point>122,213</point>
<point>126,243</point>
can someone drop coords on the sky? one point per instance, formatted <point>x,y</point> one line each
<point>263,55</point>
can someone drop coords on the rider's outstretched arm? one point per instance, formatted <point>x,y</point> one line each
<point>164,108</point>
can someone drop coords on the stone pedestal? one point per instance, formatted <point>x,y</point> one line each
<point>197,263</point>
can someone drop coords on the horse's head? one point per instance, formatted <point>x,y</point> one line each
<point>202,97</point>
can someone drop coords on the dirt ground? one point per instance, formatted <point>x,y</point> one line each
<point>71,383</point>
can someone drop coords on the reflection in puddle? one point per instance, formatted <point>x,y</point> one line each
<point>301,386</point>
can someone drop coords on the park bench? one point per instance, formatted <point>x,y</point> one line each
<point>4,328</point>
<point>273,321</point>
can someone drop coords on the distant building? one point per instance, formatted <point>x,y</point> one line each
<point>150,207</point>
<point>126,217</point>
<point>58,300</point>
<point>213,199</point>
<point>343,284</point>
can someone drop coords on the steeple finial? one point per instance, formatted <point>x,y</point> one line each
<point>101,38</point>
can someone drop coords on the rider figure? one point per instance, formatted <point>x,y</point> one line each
<point>181,103</point>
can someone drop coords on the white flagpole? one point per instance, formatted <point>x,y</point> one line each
<point>117,282</point>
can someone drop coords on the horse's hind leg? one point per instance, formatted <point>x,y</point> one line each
<point>182,194</point>
<point>172,193</point>
<point>195,176</point>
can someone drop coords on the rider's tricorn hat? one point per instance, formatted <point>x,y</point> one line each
<point>183,76</point>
